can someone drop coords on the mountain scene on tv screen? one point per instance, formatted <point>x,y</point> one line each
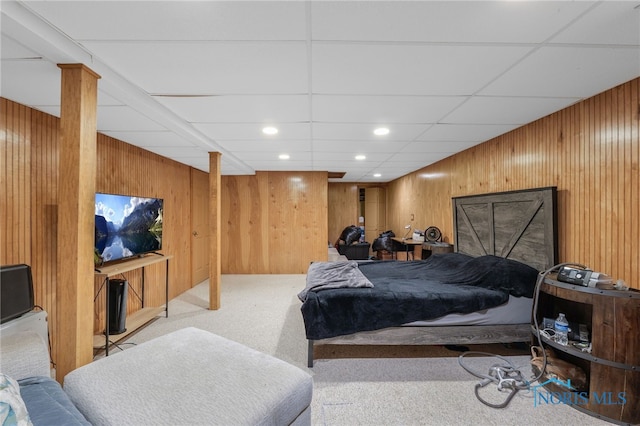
<point>140,231</point>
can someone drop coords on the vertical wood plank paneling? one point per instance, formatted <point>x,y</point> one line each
<point>215,232</point>
<point>16,191</point>
<point>273,222</point>
<point>342,208</point>
<point>29,214</point>
<point>633,231</point>
<point>607,145</point>
<point>44,217</point>
<point>232,229</point>
<point>125,169</point>
<point>297,220</point>
<point>245,224</point>
<point>431,204</point>
<point>28,221</point>
<point>199,218</point>
<point>590,151</point>
<point>16,195</point>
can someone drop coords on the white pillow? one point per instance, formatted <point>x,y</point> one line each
<point>12,408</point>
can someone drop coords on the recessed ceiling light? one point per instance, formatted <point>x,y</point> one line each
<point>269,130</point>
<point>377,175</point>
<point>283,156</point>
<point>361,157</point>
<point>381,131</point>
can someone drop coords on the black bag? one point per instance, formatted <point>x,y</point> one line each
<point>384,241</point>
<point>351,234</point>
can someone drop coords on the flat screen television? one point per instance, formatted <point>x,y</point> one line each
<point>126,226</point>
<point>16,291</point>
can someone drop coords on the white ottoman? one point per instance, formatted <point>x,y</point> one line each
<point>191,377</point>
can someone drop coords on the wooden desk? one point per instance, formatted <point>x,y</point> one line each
<point>416,247</point>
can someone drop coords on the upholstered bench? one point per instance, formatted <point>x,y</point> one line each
<point>191,376</point>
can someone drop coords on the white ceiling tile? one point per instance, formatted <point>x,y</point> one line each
<point>437,147</point>
<point>337,163</point>
<point>417,159</point>
<point>359,131</point>
<point>250,131</point>
<point>179,151</point>
<point>123,118</point>
<point>105,99</point>
<point>338,147</point>
<point>442,21</point>
<point>209,68</point>
<point>31,82</point>
<point>504,110</point>
<point>398,168</point>
<point>577,72</point>
<point>609,23</point>
<point>177,20</point>
<point>346,157</point>
<point>277,146</point>
<point>255,109</point>
<point>151,138</point>
<point>272,156</point>
<point>407,69</point>
<point>12,49</point>
<point>465,132</point>
<point>280,165</point>
<point>383,109</point>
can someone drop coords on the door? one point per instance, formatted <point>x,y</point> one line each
<point>199,226</point>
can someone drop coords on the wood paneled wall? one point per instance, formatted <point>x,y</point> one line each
<point>245,224</point>
<point>29,198</point>
<point>590,151</point>
<point>126,169</point>
<point>343,208</point>
<point>29,205</point>
<point>273,222</point>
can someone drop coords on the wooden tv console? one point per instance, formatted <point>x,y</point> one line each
<point>141,317</point>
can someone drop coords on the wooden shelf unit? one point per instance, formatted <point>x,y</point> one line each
<point>139,318</point>
<point>612,318</point>
<point>135,320</point>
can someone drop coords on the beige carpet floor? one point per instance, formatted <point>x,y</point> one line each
<point>359,386</point>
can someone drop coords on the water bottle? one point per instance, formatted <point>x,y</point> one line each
<point>561,328</point>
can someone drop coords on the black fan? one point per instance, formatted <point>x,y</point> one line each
<point>432,234</point>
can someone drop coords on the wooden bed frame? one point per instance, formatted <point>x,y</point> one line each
<point>519,225</point>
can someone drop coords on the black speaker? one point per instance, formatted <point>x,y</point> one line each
<point>117,305</point>
<point>16,291</point>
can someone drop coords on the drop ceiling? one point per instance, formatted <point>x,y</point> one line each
<point>182,79</point>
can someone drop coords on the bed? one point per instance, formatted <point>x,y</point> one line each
<point>481,293</point>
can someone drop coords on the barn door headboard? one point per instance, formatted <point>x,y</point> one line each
<point>519,225</point>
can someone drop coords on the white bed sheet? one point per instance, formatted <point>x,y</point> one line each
<point>517,310</point>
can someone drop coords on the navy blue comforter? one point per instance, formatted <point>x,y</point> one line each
<point>404,292</point>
